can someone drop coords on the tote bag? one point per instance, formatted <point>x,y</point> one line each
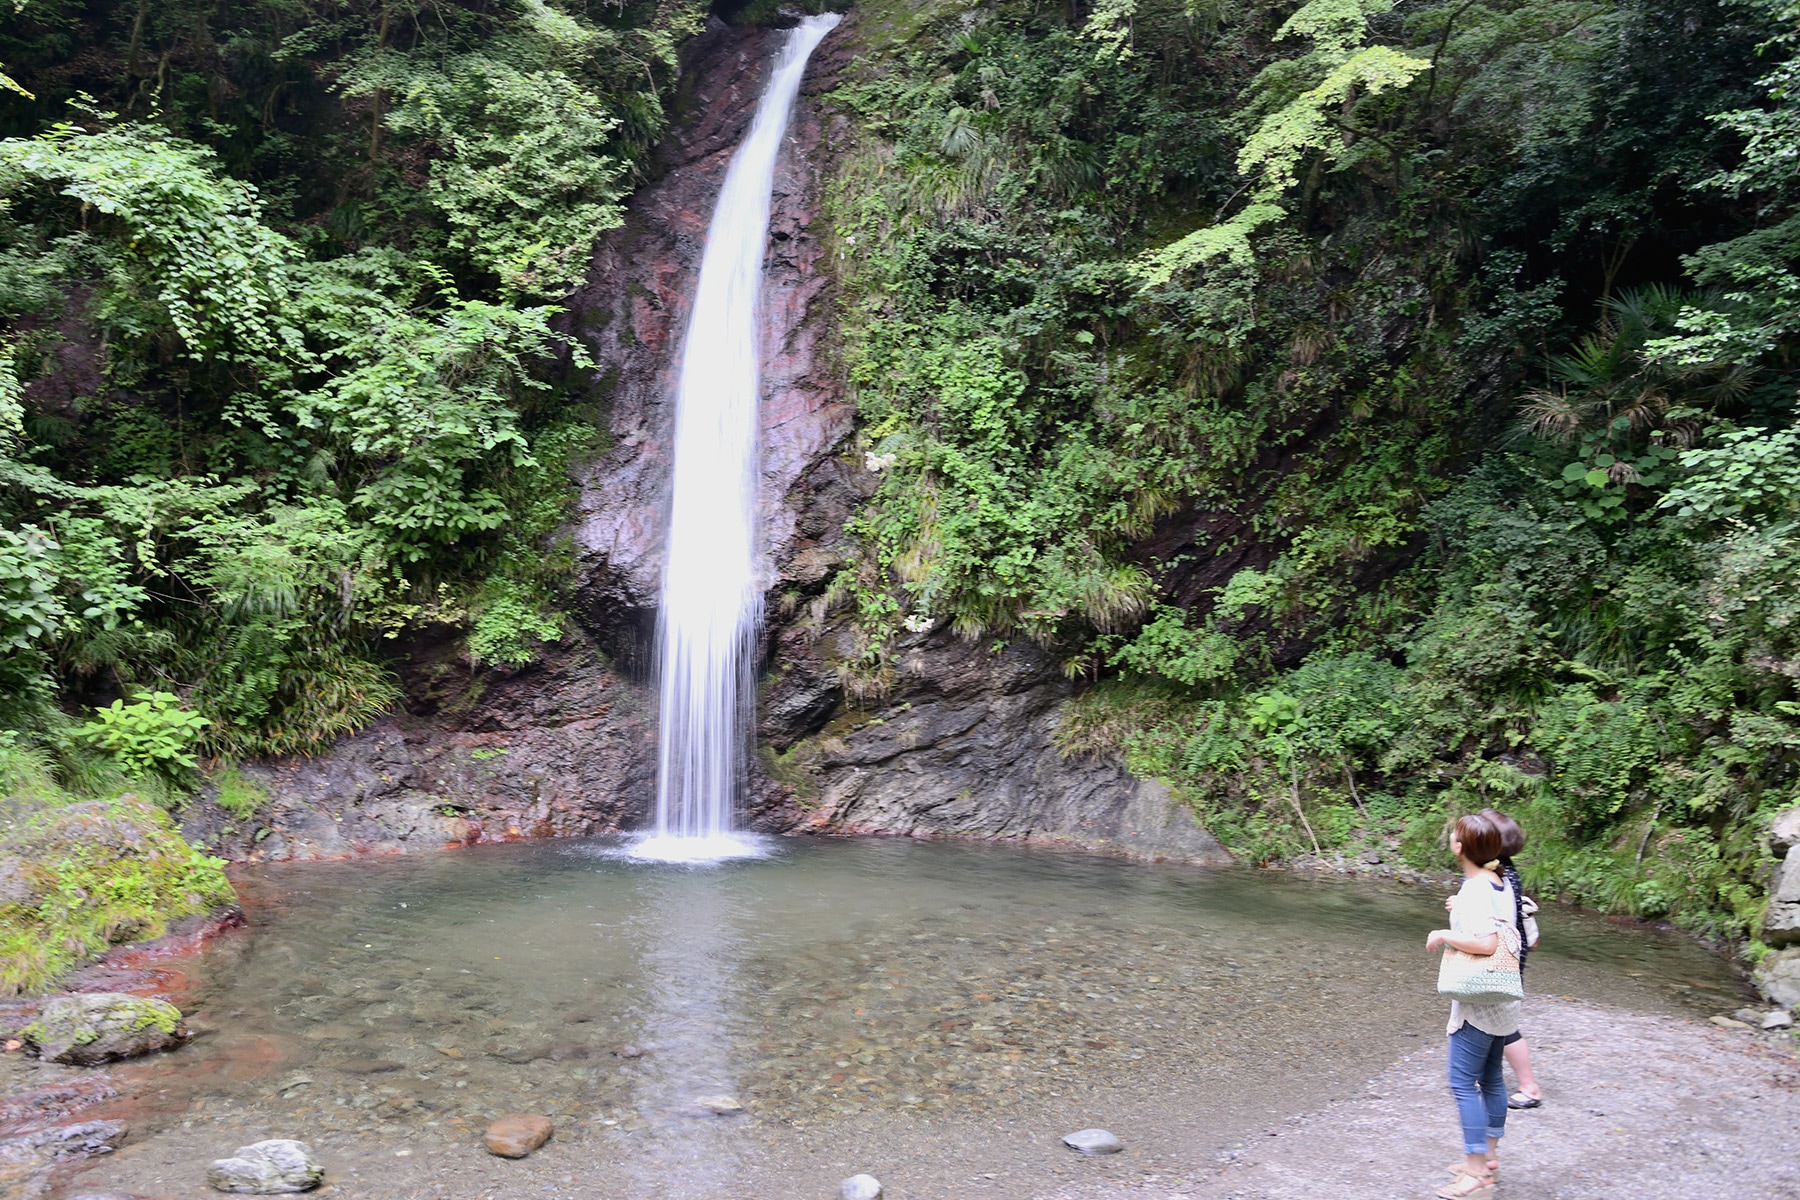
<point>1483,978</point>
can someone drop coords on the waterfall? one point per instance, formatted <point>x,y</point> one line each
<point>711,600</point>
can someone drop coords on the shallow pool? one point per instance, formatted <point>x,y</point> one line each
<point>868,983</point>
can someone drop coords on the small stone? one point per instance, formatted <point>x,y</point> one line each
<point>108,1196</point>
<point>1093,1141</point>
<point>1728,1023</point>
<point>87,1029</point>
<point>1749,1016</point>
<point>267,1168</point>
<point>860,1187</point>
<point>720,1106</point>
<point>1779,1019</point>
<point>368,1066</point>
<point>628,1052</point>
<point>517,1134</point>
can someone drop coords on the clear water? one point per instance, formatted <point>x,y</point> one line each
<point>876,989</point>
<point>711,596</point>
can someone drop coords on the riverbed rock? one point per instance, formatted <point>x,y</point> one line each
<point>267,1168</point>
<point>1778,975</point>
<point>517,1134</point>
<point>60,1143</point>
<point>97,1027</point>
<point>1093,1141</point>
<point>720,1106</point>
<point>860,1187</point>
<point>1780,1018</point>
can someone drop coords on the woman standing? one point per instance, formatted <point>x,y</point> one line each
<point>1481,925</point>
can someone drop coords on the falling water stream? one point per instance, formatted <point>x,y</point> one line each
<point>711,603</point>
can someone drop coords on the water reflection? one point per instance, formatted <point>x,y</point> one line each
<point>687,928</point>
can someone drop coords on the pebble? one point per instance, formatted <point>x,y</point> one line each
<point>1728,1022</point>
<point>517,1134</point>
<point>1779,1019</point>
<point>368,1066</point>
<point>628,1052</point>
<point>1093,1141</point>
<point>267,1168</point>
<point>860,1187</point>
<point>720,1106</point>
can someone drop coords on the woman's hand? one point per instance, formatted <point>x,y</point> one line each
<point>1438,938</point>
<point>1449,903</point>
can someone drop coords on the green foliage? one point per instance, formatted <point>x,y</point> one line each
<point>151,734</point>
<point>238,796</point>
<point>509,619</point>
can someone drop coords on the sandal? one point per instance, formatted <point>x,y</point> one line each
<point>1462,1168</point>
<point>1522,1100</point>
<point>1468,1185</point>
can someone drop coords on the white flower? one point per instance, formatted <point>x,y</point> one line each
<point>918,622</point>
<point>878,462</point>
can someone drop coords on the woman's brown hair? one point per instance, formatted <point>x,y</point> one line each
<point>1479,837</point>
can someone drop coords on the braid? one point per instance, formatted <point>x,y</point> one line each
<point>1510,874</point>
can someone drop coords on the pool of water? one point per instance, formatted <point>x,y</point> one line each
<point>874,984</point>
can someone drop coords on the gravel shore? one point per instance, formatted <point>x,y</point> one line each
<point>1655,1108</point>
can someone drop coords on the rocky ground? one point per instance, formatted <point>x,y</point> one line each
<point>1644,1106</point>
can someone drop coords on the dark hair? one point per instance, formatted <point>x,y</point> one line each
<point>1512,838</point>
<point>1480,839</point>
<point>1512,841</point>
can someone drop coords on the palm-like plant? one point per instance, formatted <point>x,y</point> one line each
<point>1629,412</point>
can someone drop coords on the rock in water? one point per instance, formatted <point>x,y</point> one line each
<point>85,1030</point>
<point>1093,1141</point>
<point>268,1168</point>
<point>860,1187</point>
<point>720,1106</point>
<point>1779,1019</point>
<point>517,1134</point>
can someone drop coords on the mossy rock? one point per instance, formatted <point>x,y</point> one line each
<point>85,1030</point>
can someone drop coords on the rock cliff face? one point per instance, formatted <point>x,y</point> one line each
<point>961,747</point>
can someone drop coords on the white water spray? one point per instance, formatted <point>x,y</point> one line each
<point>711,604</point>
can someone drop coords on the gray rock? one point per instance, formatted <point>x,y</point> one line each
<point>1784,832</point>
<point>1779,1019</point>
<point>1093,1141</point>
<point>64,1142</point>
<point>1781,923</point>
<point>1778,975</point>
<point>268,1168</point>
<point>89,1029</point>
<point>860,1187</point>
<point>720,1106</point>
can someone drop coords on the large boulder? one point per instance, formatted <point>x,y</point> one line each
<point>1784,832</point>
<point>89,1029</point>
<point>1781,922</point>
<point>1778,975</point>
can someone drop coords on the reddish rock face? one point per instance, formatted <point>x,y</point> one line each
<point>517,1134</point>
<point>633,312</point>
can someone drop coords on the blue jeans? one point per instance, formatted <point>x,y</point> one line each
<point>1479,1085</point>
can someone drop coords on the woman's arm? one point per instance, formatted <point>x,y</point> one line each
<point>1468,943</point>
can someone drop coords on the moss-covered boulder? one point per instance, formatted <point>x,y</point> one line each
<point>98,1027</point>
<point>77,877</point>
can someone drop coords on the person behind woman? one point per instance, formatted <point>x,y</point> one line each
<point>1518,1054</point>
<point>1481,915</point>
